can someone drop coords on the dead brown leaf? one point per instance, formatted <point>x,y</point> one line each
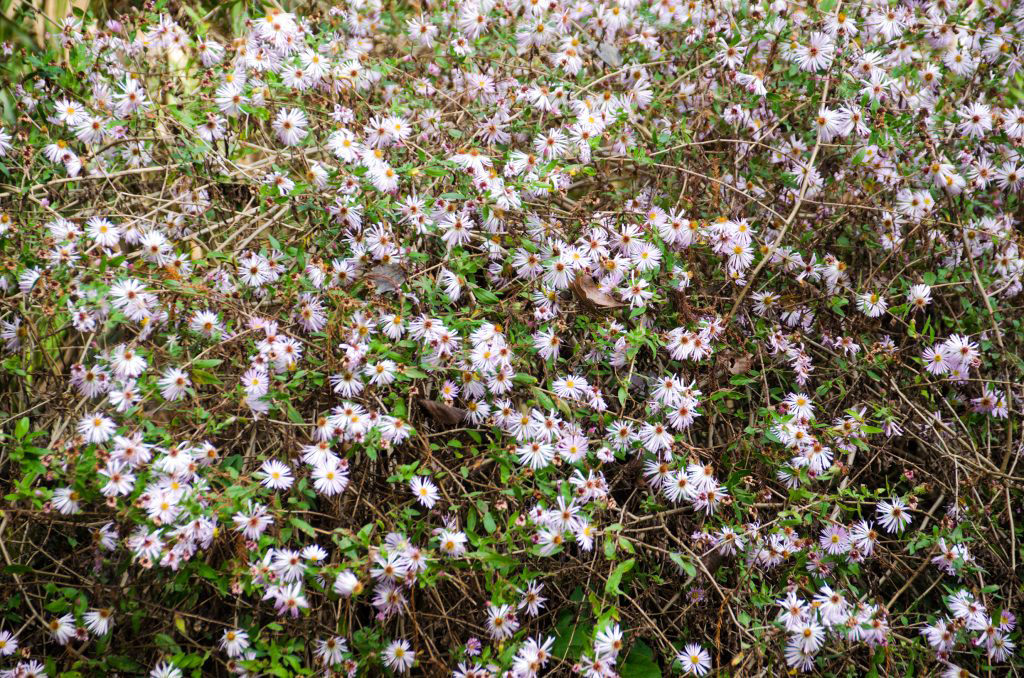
<point>445,415</point>
<point>741,364</point>
<point>386,278</point>
<point>588,293</point>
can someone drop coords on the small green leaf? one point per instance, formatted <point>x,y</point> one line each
<point>640,662</point>
<point>609,547</point>
<point>545,401</point>
<point>294,415</point>
<point>687,567</point>
<point>485,296</point>
<point>203,377</point>
<point>494,559</point>
<point>611,587</point>
<point>21,428</point>
<point>303,525</point>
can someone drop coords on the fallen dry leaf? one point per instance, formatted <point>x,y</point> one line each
<point>741,364</point>
<point>590,295</point>
<point>386,278</point>
<point>446,415</point>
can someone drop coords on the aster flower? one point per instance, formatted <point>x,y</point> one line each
<point>254,522</point>
<point>99,621</point>
<point>290,126</point>
<point>424,490</point>
<point>976,120</point>
<point>893,515</point>
<point>399,656</point>
<point>501,622</point>
<point>67,501</point>
<point>452,543</point>
<point>8,643</point>
<point>817,54</point>
<point>330,478</point>
<point>608,642</point>
<point>276,475</point>
<point>330,651</point>
<point>695,660</point>
<point>62,629</point>
<point>871,304</point>
<point>800,405</point>
<point>347,584</point>
<point>234,642</point>
<point>174,384</point>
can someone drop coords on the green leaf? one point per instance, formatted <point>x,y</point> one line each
<point>640,662</point>
<point>485,296</point>
<point>494,559</point>
<point>190,661</point>
<point>685,564</point>
<point>165,642</point>
<point>203,377</point>
<point>611,587</point>
<point>21,428</point>
<point>123,663</point>
<point>572,636</point>
<point>609,547</point>
<point>294,415</point>
<point>303,525</point>
<point>543,398</point>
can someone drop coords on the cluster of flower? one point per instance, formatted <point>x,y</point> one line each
<point>970,616</point>
<point>828,614</point>
<point>543,163</point>
<point>954,359</point>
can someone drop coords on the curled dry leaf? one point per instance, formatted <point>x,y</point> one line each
<point>386,278</point>
<point>587,291</point>
<point>741,364</point>
<point>445,415</point>
<point>681,304</point>
<point>712,560</point>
